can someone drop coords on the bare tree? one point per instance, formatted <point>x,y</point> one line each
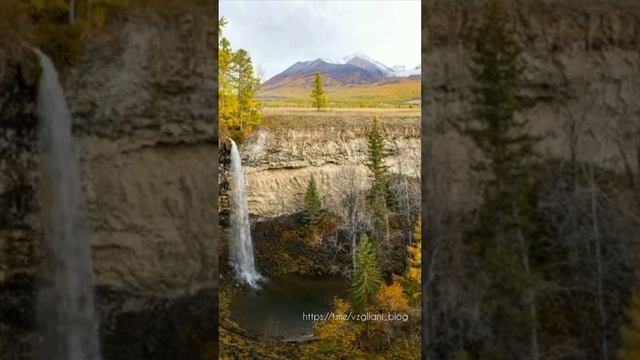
<point>406,192</point>
<point>350,205</point>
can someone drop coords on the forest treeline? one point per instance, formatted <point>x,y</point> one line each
<point>542,266</point>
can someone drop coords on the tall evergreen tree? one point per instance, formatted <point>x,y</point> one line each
<point>367,278</point>
<point>379,193</point>
<point>495,128</point>
<point>505,228</point>
<point>318,95</point>
<point>312,204</point>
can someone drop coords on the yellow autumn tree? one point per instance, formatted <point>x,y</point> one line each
<point>392,298</point>
<point>238,110</point>
<point>337,339</point>
<point>380,336</point>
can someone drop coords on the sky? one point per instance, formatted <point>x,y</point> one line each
<point>279,33</point>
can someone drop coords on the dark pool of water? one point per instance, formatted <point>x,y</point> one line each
<point>276,310</point>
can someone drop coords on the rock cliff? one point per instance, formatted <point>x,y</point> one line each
<point>284,154</point>
<point>144,114</point>
<point>143,105</point>
<point>582,68</point>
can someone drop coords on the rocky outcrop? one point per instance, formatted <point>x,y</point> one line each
<point>19,73</point>
<point>582,67</point>
<point>282,156</point>
<point>143,106</point>
<point>144,113</point>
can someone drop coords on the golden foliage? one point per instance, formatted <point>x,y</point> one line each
<point>337,338</point>
<point>392,298</point>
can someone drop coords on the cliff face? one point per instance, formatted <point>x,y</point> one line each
<point>18,183</point>
<point>281,157</point>
<point>143,107</point>
<point>144,114</point>
<point>582,69</point>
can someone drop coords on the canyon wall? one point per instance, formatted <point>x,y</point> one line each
<point>143,105</point>
<point>144,112</point>
<point>281,157</point>
<point>582,67</point>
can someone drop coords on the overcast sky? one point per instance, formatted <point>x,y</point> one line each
<point>278,33</point>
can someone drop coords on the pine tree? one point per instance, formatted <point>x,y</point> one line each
<point>379,193</point>
<point>506,220</point>
<point>498,76</point>
<point>367,277</point>
<point>630,349</point>
<point>318,94</point>
<point>376,159</point>
<point>312,204</point>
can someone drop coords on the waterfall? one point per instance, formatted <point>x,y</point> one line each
<point>240,246</point>
<point>66,314</point>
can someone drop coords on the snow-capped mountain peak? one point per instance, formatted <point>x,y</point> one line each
<point>327,60</point>
<point>356,68</point>
<point>359,59</point>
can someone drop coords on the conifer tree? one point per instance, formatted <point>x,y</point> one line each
<point>495,128</point>
<point>318,95</point>
<point>367,277</point>
<point>376,160</point>
<point>312,204</point>
<point>379,192</point>
<point>505,227</point>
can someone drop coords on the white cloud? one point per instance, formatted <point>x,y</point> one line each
<point>279,33</point>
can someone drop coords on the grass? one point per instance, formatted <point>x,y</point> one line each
<point>288,117</point>
<point>403,94</point>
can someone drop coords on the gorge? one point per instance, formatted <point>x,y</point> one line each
<point>143,115</point>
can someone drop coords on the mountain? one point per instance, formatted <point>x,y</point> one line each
<point>368,63</point>
<point>302,73</point>
<point>353,69</point>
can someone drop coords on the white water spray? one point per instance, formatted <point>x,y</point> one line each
<point>241,247</point>
<point>66,312</point>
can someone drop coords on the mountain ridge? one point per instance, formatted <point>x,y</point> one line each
<point>354,69</point>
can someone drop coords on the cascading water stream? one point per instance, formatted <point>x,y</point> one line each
<point>241,247</point>
<point>66,312</point>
